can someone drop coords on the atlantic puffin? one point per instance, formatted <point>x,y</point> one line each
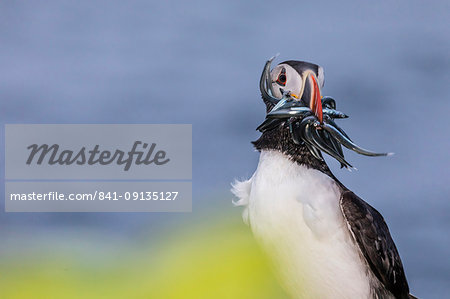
<point>325,241</point>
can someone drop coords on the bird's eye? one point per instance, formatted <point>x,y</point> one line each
<point>281,80</point>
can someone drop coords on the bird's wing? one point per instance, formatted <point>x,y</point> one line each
<point>375,242</point>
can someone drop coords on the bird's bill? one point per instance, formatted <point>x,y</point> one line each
<point>315,103</point>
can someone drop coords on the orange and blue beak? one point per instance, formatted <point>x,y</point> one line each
<point>315,103</point>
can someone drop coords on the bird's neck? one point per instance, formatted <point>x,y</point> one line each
<point>280,139</point>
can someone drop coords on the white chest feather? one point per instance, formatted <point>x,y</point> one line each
<point>294,212</point>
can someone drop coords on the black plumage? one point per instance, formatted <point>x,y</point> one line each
<point>371,233</point>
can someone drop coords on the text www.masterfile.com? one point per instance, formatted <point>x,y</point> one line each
<point>96,195</point>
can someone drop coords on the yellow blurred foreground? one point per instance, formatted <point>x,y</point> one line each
<point>220,261</point>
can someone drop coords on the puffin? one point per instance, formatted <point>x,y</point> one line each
<point>324,240</point>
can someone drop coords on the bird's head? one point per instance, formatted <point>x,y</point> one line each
<point>299,78</point>
<point>294,104</point>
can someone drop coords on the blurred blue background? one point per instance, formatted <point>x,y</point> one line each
<point>386,64</point>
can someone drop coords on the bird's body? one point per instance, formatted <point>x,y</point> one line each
<point>294,211</point>
<point>326,241</point>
